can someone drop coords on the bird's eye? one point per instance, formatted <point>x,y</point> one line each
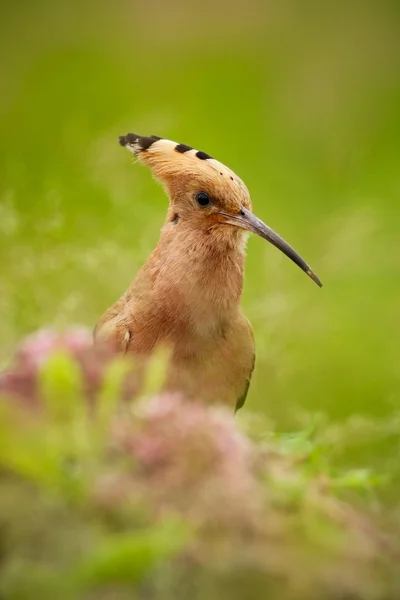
<point>203,199</point>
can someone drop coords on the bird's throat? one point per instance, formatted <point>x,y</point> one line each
<point>195,278</point>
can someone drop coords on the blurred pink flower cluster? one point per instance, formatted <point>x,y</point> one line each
<point>250,506</point>
<point>20,379</point>
<point>184,456</point>
<point>190,458</point>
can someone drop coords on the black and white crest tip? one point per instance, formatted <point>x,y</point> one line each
<point>182,148</point>
<point>202,155</point>
<point>139,142</point>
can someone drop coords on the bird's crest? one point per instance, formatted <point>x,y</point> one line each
<point>172,162</point>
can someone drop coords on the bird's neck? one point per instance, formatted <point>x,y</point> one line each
<point>197,276</point>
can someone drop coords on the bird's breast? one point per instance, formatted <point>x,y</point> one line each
<point>215,365</point>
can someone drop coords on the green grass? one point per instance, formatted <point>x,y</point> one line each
<point>302,102</point>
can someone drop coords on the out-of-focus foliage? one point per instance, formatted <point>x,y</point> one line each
<point>301,100</point>
<point>105,497</point>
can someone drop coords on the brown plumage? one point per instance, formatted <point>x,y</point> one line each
<point>187,295</point>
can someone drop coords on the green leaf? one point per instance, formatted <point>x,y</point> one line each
<point>156,371</point>
<point>110,393</point>
<point>127,557</point>
<point>60,382</point>
<point>358,479</point>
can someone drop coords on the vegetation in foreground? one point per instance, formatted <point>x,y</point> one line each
<point>301,100</point>
<point>104,496</point>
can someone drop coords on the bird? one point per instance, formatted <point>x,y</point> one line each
<point>187,294</point>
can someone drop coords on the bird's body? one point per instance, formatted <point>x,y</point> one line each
<point>187,295</point>
<point>177,299</point>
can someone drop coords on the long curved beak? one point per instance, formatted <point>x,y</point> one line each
<point>246,220</point>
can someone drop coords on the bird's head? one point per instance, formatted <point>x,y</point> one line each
<point>204,193</point>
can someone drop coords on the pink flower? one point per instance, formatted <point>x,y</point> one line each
<point>21,378</point>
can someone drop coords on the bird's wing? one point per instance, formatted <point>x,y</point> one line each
<point>113,328</point>
<point>248,351</point>
<point>243,397</point>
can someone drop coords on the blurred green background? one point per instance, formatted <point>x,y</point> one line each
<point>301,99</point>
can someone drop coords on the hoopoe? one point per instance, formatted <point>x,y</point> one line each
<point>187,294</point>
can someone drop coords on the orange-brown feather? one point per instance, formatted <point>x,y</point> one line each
<point>188,292</point>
